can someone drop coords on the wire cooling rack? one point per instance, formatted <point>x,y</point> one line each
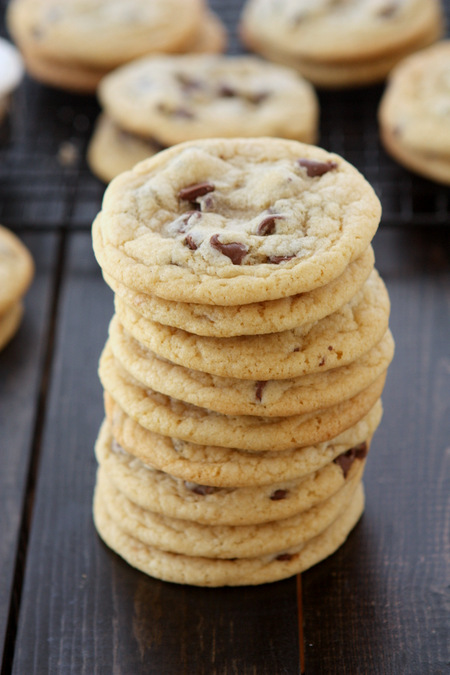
<point>45,182</point>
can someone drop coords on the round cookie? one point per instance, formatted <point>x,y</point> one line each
<point>182,98</point>
<point>16,269</point>
<point>231,396</point>
<point>10,322</point>
<point>327,31</point>
<point>171,417</point>
<point>230,467</point>
<point>222,541</point>
<point>336,340</point>
<point>112,151</point>
<point>206,572</point>
<point>162,493</point>
<point>413,113</point>
<point>102,34</point>
<point>259,318</point>
<point>291,216</point>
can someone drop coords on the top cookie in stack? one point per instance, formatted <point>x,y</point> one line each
<point>340,43</point>
<point>73,44</point>
<point>245,362</point>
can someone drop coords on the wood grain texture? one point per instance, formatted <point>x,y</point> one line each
<point>21,365</point>
<point>383,598</point>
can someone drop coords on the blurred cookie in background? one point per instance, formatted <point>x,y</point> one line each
<point>155,102</point>
<point>72,45</point>
<point>11,73</point>
<point>414,113</point>
<point>16,273</point>
<point>340,44</point>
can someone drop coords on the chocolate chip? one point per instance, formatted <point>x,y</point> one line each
<point>284,556</point>
<point>277,259</point>
<point>200,489</point>
<point>191,192</point>
<point>322,361</point>
<point>361,450</point>
<point>330,348</point>
<point>315,168</point>
<point>190,243</point>
<point>259,389</point>
<point>347,458</point>
<point>235,251</point>
<point>226,91</point>
<point>278,494</point>
<point>267,226</point>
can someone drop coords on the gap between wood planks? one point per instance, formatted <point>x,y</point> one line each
<point>33,470</point>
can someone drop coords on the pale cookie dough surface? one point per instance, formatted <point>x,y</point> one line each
<point>162,493</point>
<point>222,541</point>
<point>336,340</point>
<point>16,269</point>
<point>258,318</point>
<point>9,323</point>
<point>336,75</point>
<point>326,30</point>
<point>170,417</point>
<point>182,98</point>
<point>414,112</point>
<point>206,572</point>
<point>112,151</point>
<point>290,231</point>
<point>230,467</point>
<point>103,33</point>
<point>231,396</point>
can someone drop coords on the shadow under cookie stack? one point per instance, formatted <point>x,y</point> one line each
<point>245,360</point>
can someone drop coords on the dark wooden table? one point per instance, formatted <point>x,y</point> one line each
<point>380,605</point>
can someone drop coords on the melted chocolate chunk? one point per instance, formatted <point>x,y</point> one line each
<point>277,259</point>
<point>200,489</point>
<point>347,458</point>
<point>267,226</point>
<point>226,91</point>
<point>278,495</point>
<point>235,251</point>
<point>315,168</point>
<point>190,243</point>
<point>192,192</point>
<point>284,556</point>
<point>259,389</point>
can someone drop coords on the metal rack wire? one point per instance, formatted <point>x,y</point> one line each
<point>45,182</point>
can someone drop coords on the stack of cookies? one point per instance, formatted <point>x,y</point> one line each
<point>340,44</point>
<point>245,361</point>
<point>158,101</point>
<point>73,44</point>
<point>16,273</point>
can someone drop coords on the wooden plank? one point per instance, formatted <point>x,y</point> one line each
<point>21,366</point>
<point>378,605</point>
<point>86,611</point>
